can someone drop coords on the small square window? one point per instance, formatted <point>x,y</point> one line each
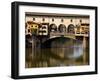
<point>43,19</point>
<point>52,19</point>
<point>33,19</point>
<point>28,30</point>
<point>80,20</point>
<point>71,20</point>
<point>62,20</point>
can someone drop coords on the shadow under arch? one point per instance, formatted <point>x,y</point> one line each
<point>47,43</point>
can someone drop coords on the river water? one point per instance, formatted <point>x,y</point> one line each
<point>57,53</point>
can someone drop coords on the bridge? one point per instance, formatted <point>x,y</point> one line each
<point>58,34</point>
<point>73,36</point>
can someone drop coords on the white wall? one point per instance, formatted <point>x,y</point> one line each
<point>5,40</point>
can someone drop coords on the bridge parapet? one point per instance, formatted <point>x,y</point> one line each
<point>57,33</point>
<point>64,34</point>
<point>67,34</point>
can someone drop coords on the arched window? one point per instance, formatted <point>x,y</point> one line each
<point>53,28</point>
<point>62,28</point>
<point>70,28</point>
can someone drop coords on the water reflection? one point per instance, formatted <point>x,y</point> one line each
<point>58,52</point>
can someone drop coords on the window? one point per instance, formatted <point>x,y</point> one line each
<point>43,19</point>
<point>36,26</point>
<point>52,27</point>
<point>62,28</point>
<point>52,19</point>
<point>28,30</point>
<point>33,19</point>
<point>80,20</point>
<point>71,20</point>
<point>31,25</point>
<point>62,20</point>
<point>70,29</point>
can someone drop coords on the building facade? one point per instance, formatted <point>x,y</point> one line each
<point>69,24</point>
